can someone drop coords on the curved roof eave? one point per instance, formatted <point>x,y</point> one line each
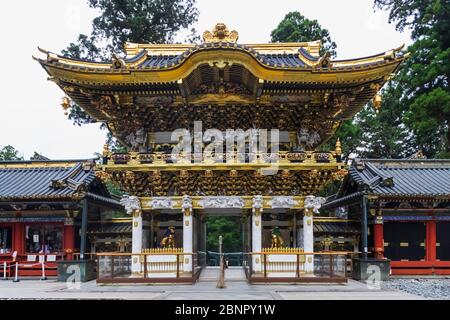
<point>181,57</point>
<point>220,56</point>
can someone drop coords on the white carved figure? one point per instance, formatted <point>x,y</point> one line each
<point>302,136</point>
<point>141,140</point>
<point>131,204</point>
<point>283,202</point>
<point>307,138</point>
<point>131,140</point>
<point>257,202</point>
<point>186,203</point>
<point>313,139</point>
<point>137,140</point>
<point>314,203</point>
<point>161,203</point>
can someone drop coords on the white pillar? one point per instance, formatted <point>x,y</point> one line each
<point>257,209</point>
<point>132,206</point>
<point>312,205</point>
<point>136,242</point>
<point>187,232</point>
<point>308,239</point>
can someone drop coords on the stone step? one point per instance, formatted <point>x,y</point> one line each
<point>231,274</point>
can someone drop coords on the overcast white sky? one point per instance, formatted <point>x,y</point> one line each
<point>31,118</point>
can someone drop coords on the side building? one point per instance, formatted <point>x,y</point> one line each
<point>404,210</point>
<point>45,207</point>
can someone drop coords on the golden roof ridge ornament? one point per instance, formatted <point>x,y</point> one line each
<point>220,33</point>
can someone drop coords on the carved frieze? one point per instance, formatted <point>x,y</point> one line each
<point>161,203</point>
<point>222,202</point>
<point>283,202</point>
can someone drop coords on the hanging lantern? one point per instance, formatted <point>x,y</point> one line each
<point>65,104</point>
<point>377,102</point>
<point>338,148</point>
<point>106,150</point>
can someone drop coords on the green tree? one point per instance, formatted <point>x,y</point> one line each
<point>296,28</point>
<point>119,21</point>
<point>383,132</point>
<point>114,188</point>
<point>349,134</point>
<point>8,153</point>
<point>424,78</point>
<point>140,21</point>
<point>227,227</point>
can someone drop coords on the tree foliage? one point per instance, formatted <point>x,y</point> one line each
<point>114,188</point>
<point>227,227</point>
<point>349,134</point>
<point>139,21</point>
<point>424,78</point>
<point>383,132</point>
<point>120,21</point>
<point>296,28</point>
<point>8,153</point>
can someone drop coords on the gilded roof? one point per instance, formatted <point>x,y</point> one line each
<point>156,63</point>
<point>288,85</point>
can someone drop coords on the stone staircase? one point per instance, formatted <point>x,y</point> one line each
<point>231,274</point>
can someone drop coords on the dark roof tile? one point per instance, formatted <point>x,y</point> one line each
<point>403,177</point>
<point>43,181</point>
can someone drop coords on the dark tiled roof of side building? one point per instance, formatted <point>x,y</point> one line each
<point>418,177</point>
<point>44,180</point>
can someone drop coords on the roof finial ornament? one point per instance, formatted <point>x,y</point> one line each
<point>325,61</point>
<point>220,33</point>
<point>117,62</point>
<point>417,155</point>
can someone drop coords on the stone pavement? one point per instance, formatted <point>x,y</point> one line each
<point>236,290</point>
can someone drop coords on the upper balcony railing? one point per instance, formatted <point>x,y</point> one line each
<point>167,159</point>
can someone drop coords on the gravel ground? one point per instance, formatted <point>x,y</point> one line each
<point>438,289</point>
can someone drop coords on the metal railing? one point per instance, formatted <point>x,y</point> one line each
<point>232,258</point>
<point>291,267</point>
<point>154,267</point>
<point>32,264</point>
